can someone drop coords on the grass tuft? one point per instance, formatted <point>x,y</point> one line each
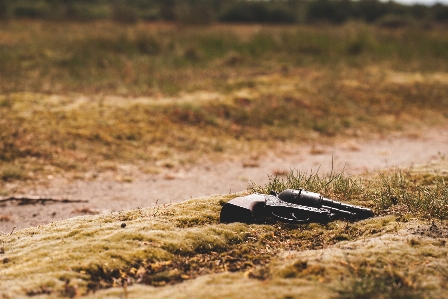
<point>365,283</point>
<point>12,172</point>
<point>399,192</point>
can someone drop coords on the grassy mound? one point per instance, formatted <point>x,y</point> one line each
<point>181,250</point>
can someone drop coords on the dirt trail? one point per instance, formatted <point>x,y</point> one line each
<point>106,194</point>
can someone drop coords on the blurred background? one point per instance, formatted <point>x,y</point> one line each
<point>160,84</point>
<point>207,11</point>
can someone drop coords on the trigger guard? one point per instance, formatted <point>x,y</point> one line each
<point>289,220</point>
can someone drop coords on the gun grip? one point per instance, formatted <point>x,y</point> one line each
<point>245,209</point>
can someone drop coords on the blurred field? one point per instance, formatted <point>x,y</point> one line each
<point>79,96</point>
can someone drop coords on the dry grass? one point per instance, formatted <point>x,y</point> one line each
<point>420,192</point>
<point>75,133</point>
<point>77,97</point>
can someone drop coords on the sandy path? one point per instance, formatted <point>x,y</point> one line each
<point>106,195</point>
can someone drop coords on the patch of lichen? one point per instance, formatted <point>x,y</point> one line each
<point>403,263</point>
<point>84,248</point>
<point>99,252</point>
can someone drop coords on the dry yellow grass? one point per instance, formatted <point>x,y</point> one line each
<point>77,97</point>
<point>47,134</point>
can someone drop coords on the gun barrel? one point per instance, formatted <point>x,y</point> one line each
<point>316,200</point>
<point>301,197</point>
<point>338,213</point>
<point>360,212</point>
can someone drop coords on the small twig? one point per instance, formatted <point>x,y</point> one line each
<point>5,234</point>
<point>30,199</point>
<point>157,208</point>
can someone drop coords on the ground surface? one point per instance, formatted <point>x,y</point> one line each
<point>109,192</point>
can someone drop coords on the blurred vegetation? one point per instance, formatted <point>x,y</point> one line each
<point>73,94</point>
<point>150,59</point>
<point>208,11</point>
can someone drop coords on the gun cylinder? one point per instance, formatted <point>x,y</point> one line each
<point>302,197</point>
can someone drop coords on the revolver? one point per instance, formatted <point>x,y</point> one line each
<point>291,206</point>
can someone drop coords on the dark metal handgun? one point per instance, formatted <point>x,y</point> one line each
<point>292,206</point>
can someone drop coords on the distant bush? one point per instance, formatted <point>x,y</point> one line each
<point>167,10</point>
<point>32,11</point>
<point>123,14</point>
<point>3,10</point>
<point>194,13</point>
<point>208,11</point>
<point>332,11</point>
<point>370,10</point>
<point>148,44</point>
<point>81,12</point>
<point>440,12</point>
<point>419,11</point>
<point>393,21</point>
<point>257,12</point>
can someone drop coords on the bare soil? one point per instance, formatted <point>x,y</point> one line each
<point>129,189</point>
